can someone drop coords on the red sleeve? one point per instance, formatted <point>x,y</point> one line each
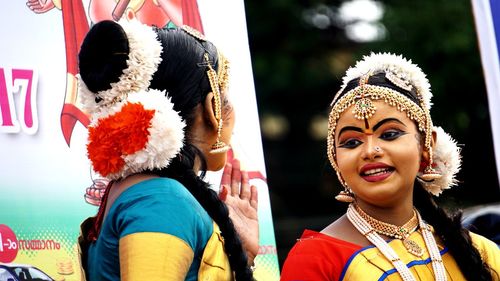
<point>318,258</point>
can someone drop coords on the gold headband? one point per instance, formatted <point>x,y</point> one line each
<point>362,98</point>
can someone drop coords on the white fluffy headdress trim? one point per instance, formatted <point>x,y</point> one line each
<point>164,134</point>
<point>133,128</point>
<point>143,61</point>
<point>394,63</point>
<point>447,160</point>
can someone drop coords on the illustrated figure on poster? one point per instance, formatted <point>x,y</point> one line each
<point>160,13</point>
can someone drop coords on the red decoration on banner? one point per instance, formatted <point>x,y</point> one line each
<point>251,174</point>
<point>8,244</point>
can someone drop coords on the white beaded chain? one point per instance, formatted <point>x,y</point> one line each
<point>430,243</point>
<point>367,230</point>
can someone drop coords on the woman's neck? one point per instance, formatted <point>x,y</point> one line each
<point>398,214</point>
<point>197,165</point>
<point>120,186</point>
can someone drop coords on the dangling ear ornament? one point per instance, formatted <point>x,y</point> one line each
<point>430,174</point>
<point>345,196</point>
<point>219,146</point>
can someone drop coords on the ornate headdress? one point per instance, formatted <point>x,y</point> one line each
<point>133,128</point>
<point>445,159</point>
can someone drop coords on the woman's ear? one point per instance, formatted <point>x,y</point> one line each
<point>209,111</point>
<point>425,153</point>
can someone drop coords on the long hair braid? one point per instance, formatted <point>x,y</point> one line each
<point>181,169</point>
<point>454,236</point>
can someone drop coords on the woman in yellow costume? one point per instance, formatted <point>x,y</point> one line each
<point>391,159</point>
<point>161,117</point>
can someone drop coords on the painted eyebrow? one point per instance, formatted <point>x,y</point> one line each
<point>380,123</point>
<point>350,128</point>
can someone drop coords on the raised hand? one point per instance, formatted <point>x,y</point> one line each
<point>40,6</point>
<point>241,199</point>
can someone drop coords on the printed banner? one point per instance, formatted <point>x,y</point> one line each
<point>46,182</point>
<point>487,18</point>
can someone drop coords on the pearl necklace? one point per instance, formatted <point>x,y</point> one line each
<point>371,234</point>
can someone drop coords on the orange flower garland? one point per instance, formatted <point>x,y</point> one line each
<point>118,135</point>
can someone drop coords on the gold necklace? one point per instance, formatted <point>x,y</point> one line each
<point>399,232</point>
<point>369,232</point>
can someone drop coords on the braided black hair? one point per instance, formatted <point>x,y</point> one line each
<point>181,169</point>
<point>453,234</point>
<point>186,82</point>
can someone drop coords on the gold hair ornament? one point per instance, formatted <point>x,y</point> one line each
<point>399,79</point>
<point>218,82</point>
<point>193,32</point>
<point>215,83</point>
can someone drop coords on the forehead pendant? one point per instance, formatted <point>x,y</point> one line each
<point>363,107</point>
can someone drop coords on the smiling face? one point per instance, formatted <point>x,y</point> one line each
<point>378,158</point>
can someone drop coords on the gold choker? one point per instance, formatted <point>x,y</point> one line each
<point>394,231</point>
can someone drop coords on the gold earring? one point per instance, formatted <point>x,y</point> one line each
<point>345,196</point>
<point>219,146</point>
<point>430,174</point>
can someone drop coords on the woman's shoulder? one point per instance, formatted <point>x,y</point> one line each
<point>160,205</point>
<point>317,255</point>
<point>338,235</point>
<point>158,192</point>
<point>489,250</point>
<point>482,242</point>
<point>318,244</point>
<point>154,185</point>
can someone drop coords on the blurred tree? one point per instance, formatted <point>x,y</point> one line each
<point>300,50</point>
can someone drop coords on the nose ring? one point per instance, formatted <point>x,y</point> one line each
<point>377,148</point>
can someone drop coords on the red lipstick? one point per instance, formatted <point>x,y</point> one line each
<point>375,172</point>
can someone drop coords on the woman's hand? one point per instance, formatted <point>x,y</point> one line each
<point>241,199</point>
<point>39,6</point>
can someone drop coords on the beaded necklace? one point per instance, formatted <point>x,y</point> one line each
<point>370,232</point>
<point>399,232</point>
